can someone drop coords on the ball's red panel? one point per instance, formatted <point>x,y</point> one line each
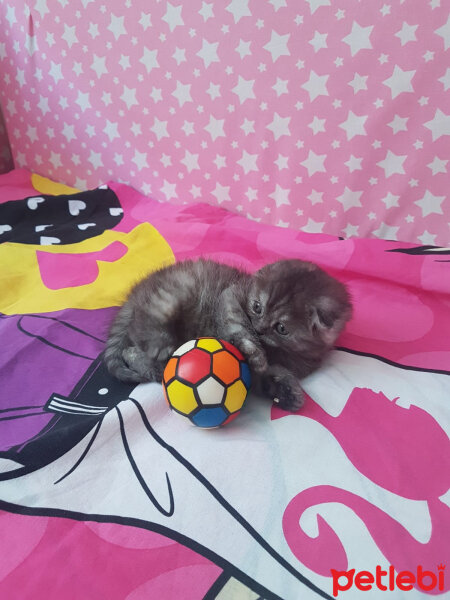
<point>194,365</point>
<point>225,366</point>
<point>231,418</point>
<point>169,371</point>
<point>233,350</point>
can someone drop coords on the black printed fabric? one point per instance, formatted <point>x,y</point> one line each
<point>46,220</point>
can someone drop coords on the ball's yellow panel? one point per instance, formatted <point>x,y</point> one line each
<point>235,397</point>
<point>209,344</point>
<point>181,397</point>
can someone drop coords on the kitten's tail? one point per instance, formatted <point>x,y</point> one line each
<point>115,346</point>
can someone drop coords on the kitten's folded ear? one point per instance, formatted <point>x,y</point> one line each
<point>328,317</point>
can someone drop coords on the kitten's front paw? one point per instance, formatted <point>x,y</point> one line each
<point>165,353</point>
<point>287,393</point>
<point>255,356</point>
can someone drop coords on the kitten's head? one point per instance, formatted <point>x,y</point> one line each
<point>296,306</point>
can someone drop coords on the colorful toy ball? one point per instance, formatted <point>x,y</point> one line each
<point>207,380</point>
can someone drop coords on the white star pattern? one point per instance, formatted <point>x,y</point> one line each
<point>353,164</point>
<point>359,83</point>
<point>248,162</point>
<point>182,93</point>
<point>438,165</point>
<point>149,59</point>
<point>319,41</point>
<point>313,226</point>
<point>239,9</point>
<point>208,53</point>
<point>398,124</point>
<point>215,128</point>
<point>314,163</point>
<point>315,197</point>
<point>439,125</point>
<point>407,33</point>
<point>444,33</point>
<point>390,200</point>
<point>315,4</point>
<point>279,126</point>
<point>99,65</point>
<point>280,195</point>
<point>83,101</point>
<point>400,81</point>
<point>392,164</point>
<point>111,130</point>
<point>386,232</point>
<point>159,128</point>
<point>297,106</point>
<point>173,16</point>
<point>354,125</point>
<point>221,193</point>
<point>169,190</point>
<point>427,238</point>
<point>55,72</point>
<point>359,38</point>
<point>430,204</point>
<point>445,79</point>
<point>278,45</point>
<point>140,160</point>
<point>69,35</point>
<point>116,27</point>
<point>244,89</point>
<point>349,199</point>
<point>316,85</point>
<point>190,161</point>
<point>129,97</point>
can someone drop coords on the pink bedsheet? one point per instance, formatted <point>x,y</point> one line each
<point>132,502</point>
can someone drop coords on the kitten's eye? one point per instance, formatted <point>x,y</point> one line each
<point>281,329</point>
<point>257,308</point>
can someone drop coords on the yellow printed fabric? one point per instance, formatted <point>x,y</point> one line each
<point>144,250</point>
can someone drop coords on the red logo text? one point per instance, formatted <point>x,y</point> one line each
<point>388,580</point>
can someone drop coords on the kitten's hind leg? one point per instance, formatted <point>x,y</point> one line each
<point>147,369</point>
<point>117,341</point>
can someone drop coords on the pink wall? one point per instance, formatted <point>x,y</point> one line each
<point>313,114</point>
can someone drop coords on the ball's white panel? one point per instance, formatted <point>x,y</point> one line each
<point>210,391</point>
<point>184,348</point>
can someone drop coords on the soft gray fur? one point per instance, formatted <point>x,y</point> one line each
<point>283,318</point>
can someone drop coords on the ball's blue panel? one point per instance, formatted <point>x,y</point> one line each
<point>245,374</point>
<point>210,417</point>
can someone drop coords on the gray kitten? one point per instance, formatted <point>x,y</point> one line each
<point>283,318</point>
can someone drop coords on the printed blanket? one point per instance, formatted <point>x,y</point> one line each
<point>105,493</point>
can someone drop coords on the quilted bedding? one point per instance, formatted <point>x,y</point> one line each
<point>105,493</point>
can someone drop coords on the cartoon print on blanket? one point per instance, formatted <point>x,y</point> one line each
<point>91,274</point>
<point>179,492</point>
<point>277,500</point>
<point>46,220</point>
<point>64,347</point>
